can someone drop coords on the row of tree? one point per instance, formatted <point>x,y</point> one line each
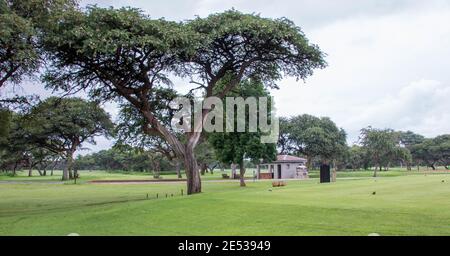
<point>123,55</point>
<point>319,140</point>
<point>49,132</point>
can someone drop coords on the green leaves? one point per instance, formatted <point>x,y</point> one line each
<point>232,147</point>
<point>252,46</point>
<point>21,28</point>
<point>432,151</point>
<point>64,124</point>
<point>312,136</point>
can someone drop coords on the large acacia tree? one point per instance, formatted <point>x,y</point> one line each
<point>62,125</point>
<point>124,55</point>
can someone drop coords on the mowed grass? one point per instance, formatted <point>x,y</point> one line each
<point>402,205</point>
<point>22,176</point>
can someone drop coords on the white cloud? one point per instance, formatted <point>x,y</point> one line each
<point>421,106</point>
<point>373,63</point>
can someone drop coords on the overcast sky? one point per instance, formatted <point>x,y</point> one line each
<point>388,60</point>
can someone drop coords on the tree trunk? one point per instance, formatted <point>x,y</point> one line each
<point>233,171</point>
<point>70,172</point>
<point>156,167</point>
<point>30,170</point>
<point>67,172</point>
<point>375,172</point>
<point>53,167</point>
<point>203,168</point>
<point>433,167</point>
<point>242,173</point>
<point>40,172</point>
<point>258,171</point>
<point>183,151</point>
<point>194,184</point>
<point>309,163</point>
<point>334,172</point>
<point>178,169</point>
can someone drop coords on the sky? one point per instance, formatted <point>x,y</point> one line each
<point>388,61</point>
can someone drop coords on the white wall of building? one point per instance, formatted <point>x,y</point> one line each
<point>288,170</point>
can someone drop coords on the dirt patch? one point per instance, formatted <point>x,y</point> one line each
<point>136,181</point>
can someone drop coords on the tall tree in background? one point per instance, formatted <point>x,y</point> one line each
<point>382,147</point>
<point>62,125</point>
<point>16,149</point>
<point>206,156</point>
<point>285,144</point>
<point>13,151</point>
<point>356,157</point>
<point>443,143</point>
<point>433,151</point>
<point>409,139</point>
<point>123,54</point>
<point>234,147</point>
<point>313,137</point>
<point>5,123</point>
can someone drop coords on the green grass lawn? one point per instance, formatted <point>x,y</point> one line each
<point>403,205</point>
<point>102,175</point>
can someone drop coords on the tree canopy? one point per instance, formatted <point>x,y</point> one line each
<point>313,137</point>
<point>234,147</point>
<point>22,22</point>
<point>125,55</point>
<point>63,125</point>
<point>433,151</point>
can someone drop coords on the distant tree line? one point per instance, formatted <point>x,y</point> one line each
<point>320,141</point>
<point>48,134</point>
<point>123,159</point>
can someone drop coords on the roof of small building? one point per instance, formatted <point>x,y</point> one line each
<point>289,159</point>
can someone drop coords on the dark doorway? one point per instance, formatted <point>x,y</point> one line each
<point>279,171</point>
<point>324,173</point>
